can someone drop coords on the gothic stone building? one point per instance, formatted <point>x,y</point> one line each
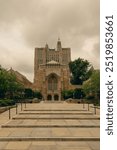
<point>51,71</point>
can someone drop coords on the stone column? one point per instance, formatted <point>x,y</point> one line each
<point>52,96</point>
<point>59,96</point>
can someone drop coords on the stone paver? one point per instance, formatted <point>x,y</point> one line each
<point>49,132</point>
<point>41,145</point>
<point>44,121</point>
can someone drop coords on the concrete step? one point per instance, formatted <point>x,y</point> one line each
<point>55,113</point>
<point>50,126</point>
<point>45,132</point>
<point>55,110</point>
<point>57,117</point>
<point>49,139</point>
<point>50,145</point>
<point>55,122</point>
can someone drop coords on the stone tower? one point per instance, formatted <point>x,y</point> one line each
<point>51,71</point>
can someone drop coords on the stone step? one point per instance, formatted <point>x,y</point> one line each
<point>50,126</point>
<point>50,132</point>
<point>54,122</point>
<point>40,126</point>
<point>50,145</point>
<point>49,139</point>
<point>57,117</point>
<point>53,113</point>
<point>52,101</point>
<point>55,110</point>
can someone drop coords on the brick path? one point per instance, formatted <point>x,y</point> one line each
<point>50,126</point>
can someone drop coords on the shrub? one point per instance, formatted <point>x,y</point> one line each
<point>78,94</point>
<point>67,94</point>
<point>6,102</point>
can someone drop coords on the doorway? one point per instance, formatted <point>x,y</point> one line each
<point>56,97</point>
<point>49,97</point>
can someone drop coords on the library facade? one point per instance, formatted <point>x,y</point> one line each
<point>51,71</point>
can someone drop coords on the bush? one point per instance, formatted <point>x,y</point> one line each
<point>92,99</point>
<point>78,94</point>
<point>6,102</point>
<point>67,94</point>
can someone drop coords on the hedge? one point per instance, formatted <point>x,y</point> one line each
<point>6,102</point>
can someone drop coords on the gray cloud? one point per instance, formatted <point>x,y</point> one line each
<point>31,23</point>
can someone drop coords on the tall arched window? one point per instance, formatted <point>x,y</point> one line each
<point>52,82</point>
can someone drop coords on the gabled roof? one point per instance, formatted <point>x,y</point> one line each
<point>21,78</point>
<point>53,62</point>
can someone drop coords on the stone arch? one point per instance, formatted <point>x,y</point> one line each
<point>52,82</point>
<point>49,97</point>
<point>56,97</point>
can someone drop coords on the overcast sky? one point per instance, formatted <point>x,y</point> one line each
<point>26,24</point>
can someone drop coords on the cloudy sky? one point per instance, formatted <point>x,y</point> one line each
<point>26,24</point>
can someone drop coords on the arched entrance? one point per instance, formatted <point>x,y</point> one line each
<point>49,97</point>
<point>52,83</point>
<point>56,97</point>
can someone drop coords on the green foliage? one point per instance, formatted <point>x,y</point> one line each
<point>67,94</point>
<point>78,94</point>
<point>37,95</point>
<point>75,94</point>
<point>91,87</point>
<point>28,93</point>
<point>81,70</point>
<point>6,102</point>
<point>9,87</point>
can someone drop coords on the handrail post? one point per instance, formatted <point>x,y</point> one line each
<point>95,110</point>
<point>9,113</point>
<point>83,104</point>
<point>21,105</point>
<point>88,106</point>
<point>25,103</point>
<point>16,108</point>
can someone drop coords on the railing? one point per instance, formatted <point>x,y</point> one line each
<point>95,109</point>
<point>16,108</point>
<point>89,106</point>
<point>19,105</point>
<point>23,104</point>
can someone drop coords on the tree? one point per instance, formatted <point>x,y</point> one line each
<point>81,70</point>
<point>91,87</point>
<point>8,84</point>
<point>3,82</point>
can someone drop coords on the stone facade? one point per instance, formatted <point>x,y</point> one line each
<point>51,71</point>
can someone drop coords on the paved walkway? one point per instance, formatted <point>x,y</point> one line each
<point>50,126</point>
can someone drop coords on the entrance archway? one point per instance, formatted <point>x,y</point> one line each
<point>49,97</point>
<point>56,97</point>
<point>52,82</point>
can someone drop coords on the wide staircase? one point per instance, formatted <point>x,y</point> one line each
<point>52,126</point>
